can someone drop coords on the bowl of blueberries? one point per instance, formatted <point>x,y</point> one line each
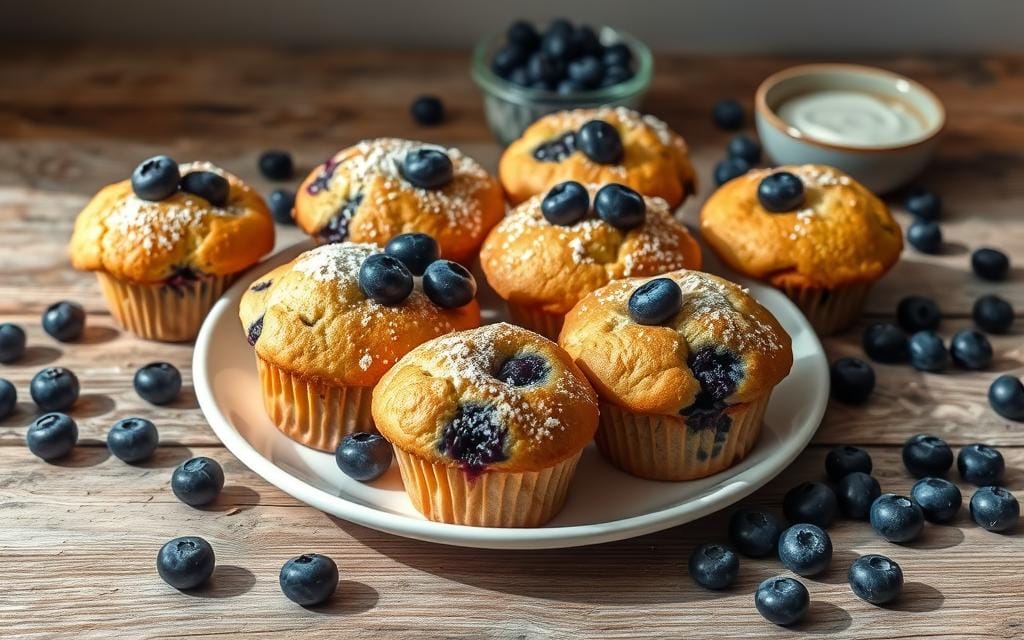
<point>526,73</point>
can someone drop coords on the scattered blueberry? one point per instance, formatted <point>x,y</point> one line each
<point>12,342</point>
<point>744,147</point>
<point>158,382</point>
<point>981,465</point>
<point>620,206</point>
<point>309,579</point>
<point>853,380</point>
<point>917,313</point>
<point>926,205</point>
<point>52,436</point>
<point>415,250</point>
<point>600,142</point>
<point>385,279</point>
<point>1006,395</point>
<point>54,389</point>
<point>928,352</point>
<point>8,398</point>
<point>812,502</point>
<point>448,284</point>
<point>805,549</point>
<point>64,320</point>
<point>133,439</point>
<point>523,370</point>
<point>970,350</point>
<point>276,165</point>
<point>990,264</point>
<point>566,204</point>
<point>728,114</point>
<point>587,72</point>
<point>282,202</point>
<point>995,509</point>
<point>885,342</point>
<point>522,34</point>
<point>993,314</point>
<point>925,455</point>
<point>782,601</point>
<point>427,110</point>
<point>363,456</point>
<point>655,301</point>
<point>730,168</point>
<point>855,492</point>
<point>428,168</point>
<point>156,178</point>
<point>896,518</point>
<point>845,459</point>
<point>875,579</point>
<point>938,498</point>
<point>197,481</point>
<point>210,186</point>
<point>186,562</point>
<point>754,532</point>
<point>925,236</point>
<point>714,566</point>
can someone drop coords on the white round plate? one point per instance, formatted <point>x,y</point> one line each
<point>604,504</point>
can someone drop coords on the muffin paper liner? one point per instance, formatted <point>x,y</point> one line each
<point>316,415</point>
<point>491,499</point>
<point>159,311</point>
<point>546,324</point>
<point>829,310</point>
<point>659,447</point>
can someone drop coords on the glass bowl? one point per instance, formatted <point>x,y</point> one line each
<point>511,108</point>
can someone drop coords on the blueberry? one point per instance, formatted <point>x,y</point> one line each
<point>363,456</point>
<point>197,481</point>
<point>853,380</point>
<point>782,601</point>
<point>543,68</point>
<point>728,114</point>
<point>519,76</point>
<point>506,61</point>
<point>448,284</point>
<point>559,25</point>
<point>158,382</point>
<point>133,439</point>
<point>208,185</point>
<point>620,206</point>
<point>925,455</point>
<point>566,204</point>
<point>52,436</point>
<point>780,192</point>
<point>990,264</point>
<point>282,203</point>
<point>805,549</point>
<point>309,579</point>
<point>970,350</point>
<point>925,236</point>
<point>523,35</point>
<point>523,370</point>
<point>896,518</point>
<point>1006,395</point>
<point>938,498</point>
<point>415,250</point>
<point>54,389</point>
<point>855,492</point>
<point>714,566</point>
<point>559,45</point>
<point>12,342</point>
<point>917,313</point>
<point>993,314</point>
<point>276,165</point>
<point>812,502</point>
<point>617,55</point>
<point>186,562</point>
<point>885,342</point>
<point>926,205</point>
<point>730,168</point>
<point>616,75</point>
<point>475,436</point>
<point>587,72</point>
<point>585,42</point>
<point>754,532</point>
<point>655,301</point>
<point>384,279</point>
<point>427,110</point>
<point>156,178</point>
<point>928,352</point>
<point>875,579</point>
<point>8,398</point>
<point>64,320</point>
<point>980,465</point>
<point>744,147</point>
<point>600,142</point>
<point>994,509</point>
<point>568,87</point>
<point>428,168</point>
<point>846,459</point>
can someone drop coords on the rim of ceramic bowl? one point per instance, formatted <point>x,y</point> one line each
<point>769,114</point>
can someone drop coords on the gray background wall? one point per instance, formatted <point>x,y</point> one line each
<point>732,26</point>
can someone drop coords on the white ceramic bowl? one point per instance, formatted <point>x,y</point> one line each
<point>881,168</point>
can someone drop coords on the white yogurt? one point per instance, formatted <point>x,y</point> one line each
<point>852,118</point>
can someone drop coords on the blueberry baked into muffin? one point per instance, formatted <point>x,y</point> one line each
<point>380,188</point>
<point>487,425</point>
<point>812,231</point>
<point>557,247</point>
<point>683,365</point>
<point>327,325</point>
<point>599,146</point>
<point>166,243</point>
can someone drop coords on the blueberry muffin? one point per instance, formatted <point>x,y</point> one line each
<point>557,247</point>
<point>380,188</point>
<point>598,146</point>
<point>326,326</point>
<point>812,231</point>
<point>683,365</point>
<point>166,243</point>
<point>487,425</point>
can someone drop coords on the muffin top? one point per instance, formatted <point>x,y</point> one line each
<point>182,236</point>
<point>714,348</point>
<point>494,398</point>
<point>380,188</point>
<point>311,318</point>
<point>838,233</point>
<point>598,146</point>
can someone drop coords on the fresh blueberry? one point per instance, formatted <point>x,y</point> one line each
<point>994,509</point>
<point>586,42</point>
<point>782,601</point>
<point>559,45</point>
<point>54,389</point>
<point>158,382</point>
<point>309,579</point>
<point>133,439</point>
<point>385,279</point>
<point>363,456</point>
<point>917,313</point>
<point>853,380</point>
<point>845,459</point>
<point>559,25</point>
<point>415,250</point>
<point>730,168</point>
<point>475,437</point>
<point>12,342</point>
<point>600,142</point>
<point>566,204</point>
<point>885,342</point>
<point>744,147</point>
<point>754,532</point>
<point>428,168</point>
<point>212,187</point>
<point>186,562</point>
<point>52,436</point>
<point>980,465</point>
<point>506,61</point>
<point>523,370</point>
<point>64,320</point>
<point>990,264</point>
<point>728,114</point>
<point>925,236</point>
<point>714,566</point>
<point>587,72</point>
<point>938,498</point>
<point>543,68</point>
<point>896,518</point>
<point>780,192</point>
<point>970,350</point>
<point>805,549</point>
<point>197,481</point>
<point>875,579</point>
<point>924,204</point>
<point>8,398</point>
<point>616,75</point>
<point>276,165</point>
<point>655,301</point>
<point>617,55</point>
<point>620,206</point>
<point>855,492</point>
<point>1006,395</point>
<point>427,110</point>
<point>282,203</point>
<point>448,284</point>
<point>811,502</point>
<point>567,87</point>
<point>993,314</point>
<point>925,455</point>
<point>519,76</point>
<point>928,352</point>
<point>522,34</point>
<point>156,178</point>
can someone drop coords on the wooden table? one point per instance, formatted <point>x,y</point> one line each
<point>78,538</point>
